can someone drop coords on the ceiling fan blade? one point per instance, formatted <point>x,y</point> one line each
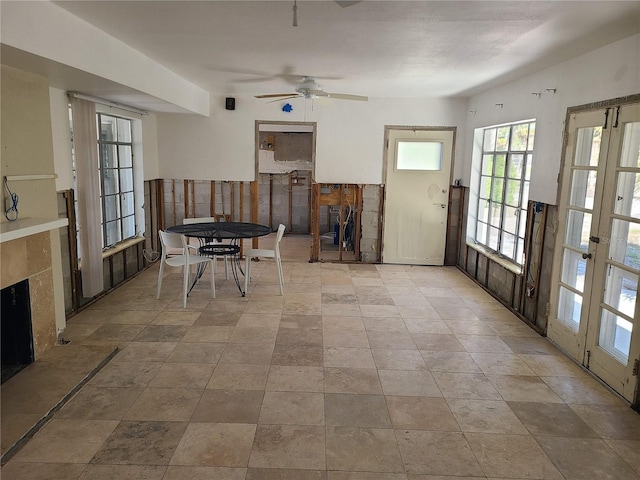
<point>346,96</point>
<point>285,98</point>
<point>345,4</point>
<point>274,95</point>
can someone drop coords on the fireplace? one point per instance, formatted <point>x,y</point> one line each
<point>17,335</point>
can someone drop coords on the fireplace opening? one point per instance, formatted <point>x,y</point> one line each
<point>17,335</point>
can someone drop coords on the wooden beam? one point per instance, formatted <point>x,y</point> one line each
<point>241,219</point>
<point>315,222</point>
<point>73,247</point>
<point>380,222</point>
<point>290,219</point>
<point>358,219</point>
<point>254,208</point>
<point>212,199</point>
<point>271,201</point>
<point>173,202</point>
<point>185,195</point>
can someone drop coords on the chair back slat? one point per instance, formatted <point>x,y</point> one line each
<point>172,240</point>
<point>188,221</point>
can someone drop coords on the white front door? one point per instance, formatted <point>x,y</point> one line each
<point>418,177</point>
<point>595,313</point>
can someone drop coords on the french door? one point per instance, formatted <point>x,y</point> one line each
<point>594,309</point>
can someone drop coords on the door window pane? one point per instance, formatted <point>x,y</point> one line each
<point>125,160</point>
<point>615,335</point>
<point>578,228</point>
<point>128,226</point>
<point>574,268</point>
<point>110,181</point>
<point>631,146</point>
<point>628,195</point>
<point>621,290</point>
<point>583,188</point>
<point>588,146</point>
<point>624,245</point>
<point>417,155</point>
<point>569,308</point>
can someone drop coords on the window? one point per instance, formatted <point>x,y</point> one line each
<point>418,155</point>
<point>503,192</point>
<point>116,179</point>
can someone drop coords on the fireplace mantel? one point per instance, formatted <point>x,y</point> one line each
<point>29,226</point>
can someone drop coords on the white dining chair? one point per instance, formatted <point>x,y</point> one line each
<point>188,221</point>
<point>175,241</point>
<point>259,252</point>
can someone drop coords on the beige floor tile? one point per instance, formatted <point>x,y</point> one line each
<point>483,344</point>
<point>582,390</point>
<point>164,404</point>
<point>348,357</point>
<point>292,408</point>
<point>126,374</point>
<point>289,447</point>
<point>145,352</point>
<point>259,319</point>
<point>259,354</point>
<point>341,323</point>
<point>610,421</point>
<point>466,385</point>
<point>523,389</point>
<point>131,317</point>
<point>511,456</point>
<point>419,325</point>
<point>384,324</point>
<point>14,426</point>
<point>176,318</point>
<point>349,410</point>
<point>300,336</point>
<point>351,380</point>
<point>228,406</point>
<point>501,364</point>
<point>530,345</point>
<point>485,416</point>
<point>469,327</point>
<point>366,476</point>
<point>99,403</point>
<point>204,473</point>
<point>551,420</point>
<point>284,474</point>
<point>300,355</point>
<point>239,377</point>
<point>379,311</point>
<point>294,379</point>
<point>553,366</point>
<point>217,319</point>
<point>123,472</point>
<point>254,335</point>
<point>67,441</point>
<point>435,342</point>
<point>628,450</point>
<point>409,383</point>
<point>215,444</point>
<point>114,334</point>
<point>345,338</point>
<point>162,333</point>
<point>42,471</point>
<point>183,375</point>
<point>580,458</point>
<point>336,309</point>
<point>358,449</point>
<point>186,352</point>
<point>391,340</point>
<point>208,334</point>
<point>386,359</point>
<point>457,362</point>
<point>437,453</point>
<point>421,413</point>
<point>426,312</point>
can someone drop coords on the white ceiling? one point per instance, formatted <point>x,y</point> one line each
<point>373,48</point>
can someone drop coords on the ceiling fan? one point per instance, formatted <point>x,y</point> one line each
<point>309,88</point>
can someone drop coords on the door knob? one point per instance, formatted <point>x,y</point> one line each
<point>586,256</point>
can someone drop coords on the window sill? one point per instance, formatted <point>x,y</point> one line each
<point>121,246</point>
<point>503,262</point>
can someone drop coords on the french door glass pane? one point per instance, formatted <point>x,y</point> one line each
<point>502,140</point>
<point>583,187</point>
<point>631,146</point>
<point>496,214</point>
<point>628,195</point>
<point>483,211</point>
<point>481,232</point>
<point>520,136</point>
<point>496,191</point>
<point>487,165</point>
<point>574,268</point>
<point>588,146</point>
<point>615,335</point>
<point>516,163</point>
<point>532,135</point>
<point>513,192</point>
<point>485,187</point>
<point>624,246</point>
<point>569,308</point>
<point>621,291</point>
<point>107,130</point>
<point>500,165</point>
<point>578,228</point>
<point>490,139</point>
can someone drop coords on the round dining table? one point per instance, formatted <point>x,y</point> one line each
<point>211,234</point>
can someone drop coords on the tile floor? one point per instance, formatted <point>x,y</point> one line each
<point>359,372</point>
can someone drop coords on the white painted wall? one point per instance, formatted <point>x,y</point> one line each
<point>47,30</point>
<point>606,73</point>
<point>349,143</point>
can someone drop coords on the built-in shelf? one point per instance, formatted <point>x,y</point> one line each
<point>29,226</point>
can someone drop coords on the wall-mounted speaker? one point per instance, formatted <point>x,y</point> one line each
<point>230,103</point>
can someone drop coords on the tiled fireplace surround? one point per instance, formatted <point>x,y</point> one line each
<point>30,258</point>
